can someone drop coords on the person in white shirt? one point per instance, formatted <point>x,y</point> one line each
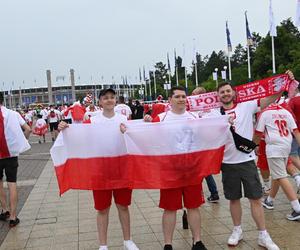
<point>102,198</point>
<point>9,160</point>
<point>278,126</point>
<point>53,117</point>
<point>192,196</point>
<point>44,114</point>
<point>123,109</point>
<point>239,168</point>
<point>92,111</point>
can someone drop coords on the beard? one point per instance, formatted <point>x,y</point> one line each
<point>228,101</point>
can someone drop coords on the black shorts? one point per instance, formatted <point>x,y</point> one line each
<point>69,121</point>
<point>53,126</point>
<point>10,166</point>
<point>234,175</point>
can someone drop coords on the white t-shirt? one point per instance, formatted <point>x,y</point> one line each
<point>101,119</point>
<point>277,126</point>
<point>170,116</point>
<point>14,136</point>
<point>55,118</point>
<point>123,109</point>
<point>44,114</point>
<point>242,114</point>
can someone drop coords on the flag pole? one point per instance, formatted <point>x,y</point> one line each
<point>196,73</point>
<point>273,55</point>
<point>249,64</point>
<point>150,92</point>
<point>185,73</point>
<point>176,67</point>
<point>229,66</point>
<point>154,79</point>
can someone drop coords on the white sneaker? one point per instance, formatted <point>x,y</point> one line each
<point>235,237</point>
<point>266,241</point>
<point>103,248</point>
<point>129,245</point>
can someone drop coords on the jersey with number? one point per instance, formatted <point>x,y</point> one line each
<point>123,109</point>
<point>242,114</point>
<point>277,124</point>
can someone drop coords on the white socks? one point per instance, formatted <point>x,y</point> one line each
<point>296,206</point>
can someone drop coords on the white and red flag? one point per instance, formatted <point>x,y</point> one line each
<point>12,139</point>
<point>147,156</point>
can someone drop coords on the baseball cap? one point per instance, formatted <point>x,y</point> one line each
<point>105,91</point>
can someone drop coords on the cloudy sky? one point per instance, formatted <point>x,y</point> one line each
<point>113,38</point>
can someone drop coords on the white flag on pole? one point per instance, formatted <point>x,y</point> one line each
<point>273,28</point>
<point>298,14</point>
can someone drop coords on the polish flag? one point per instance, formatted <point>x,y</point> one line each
<point>147,156</point>
<point>12,139</point>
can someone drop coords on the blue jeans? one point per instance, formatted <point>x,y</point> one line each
<point>211,184</point>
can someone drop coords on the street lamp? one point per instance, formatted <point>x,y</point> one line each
<point>215,76</point>
<point>224,73</point>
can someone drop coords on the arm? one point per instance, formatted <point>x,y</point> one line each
<point>256,137</point>
<point>26,129</point>
<point>296,133</point>
<point>265,102</point>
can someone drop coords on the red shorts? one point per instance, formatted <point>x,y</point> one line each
<point>171,199</point>
<point>262,162</point>
<point>102,198</point>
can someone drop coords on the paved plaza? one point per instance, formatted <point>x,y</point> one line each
<point>69,222</point>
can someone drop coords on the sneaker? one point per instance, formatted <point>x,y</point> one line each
<point>293,216</point>
<point>214,198</point>
<point>199,246</point>
<point>40,142</point>
<point>168,247</point>
<point>268,204</point>
<point>4,216</point>
<point>267,242</point>
<point>129,245</point>
<point>235,237</point>
<point>13,223</point>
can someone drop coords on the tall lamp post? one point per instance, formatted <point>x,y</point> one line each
<point>224,73</point>
<point>215,76</point>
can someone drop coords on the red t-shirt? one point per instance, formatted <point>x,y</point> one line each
<point>294,104</point>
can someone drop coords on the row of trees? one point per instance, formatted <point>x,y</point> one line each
<point>287,51</point>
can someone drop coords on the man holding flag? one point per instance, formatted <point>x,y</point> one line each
<point>238,168</point>
<point>122,196</point>
<point>192,196</point>
<point>12,143</point>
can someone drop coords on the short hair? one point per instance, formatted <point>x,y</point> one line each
<point>222,84</point>
<point>173,89</point>
<point>121,99</point>
<point>198,91</point>
<point>103,92</point>
<point>1,98</point>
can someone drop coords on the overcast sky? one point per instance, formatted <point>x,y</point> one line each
<point>115,37</point>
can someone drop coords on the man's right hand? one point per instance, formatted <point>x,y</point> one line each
<point>148,118</point>
<point>62,126</point>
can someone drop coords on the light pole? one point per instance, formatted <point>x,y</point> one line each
<point>225,73</point>
<point>215,77</point>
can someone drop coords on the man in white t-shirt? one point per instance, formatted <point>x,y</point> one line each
<point>9,161</point>
<point>278,126</point>
<point>102,198</point>
<point>53,117</point>
<point>239,168</point>
<point>44,114</point>
<point>123,109</point>
<point>192,196</point>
